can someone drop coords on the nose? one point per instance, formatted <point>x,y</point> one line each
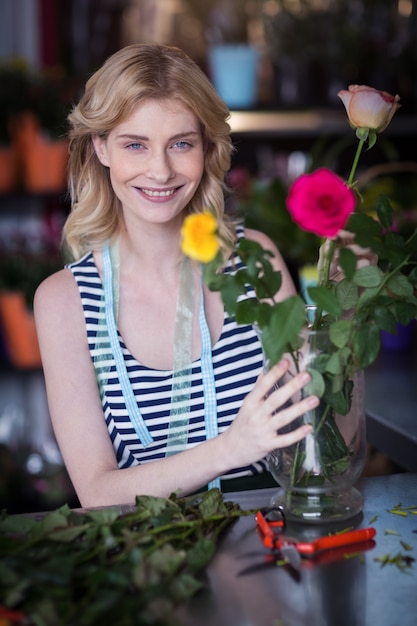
<point>160,167</point>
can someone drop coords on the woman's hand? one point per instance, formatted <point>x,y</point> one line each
<point>346,239</point>
<point>254,432</point>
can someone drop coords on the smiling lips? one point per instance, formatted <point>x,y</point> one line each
<point>158,193</point>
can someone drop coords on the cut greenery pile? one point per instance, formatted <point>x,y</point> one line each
<point>90,568</point>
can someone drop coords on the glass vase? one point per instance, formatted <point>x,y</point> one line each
<point>317,475</point>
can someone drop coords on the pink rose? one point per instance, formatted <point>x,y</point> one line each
<point>321,202</point>
<point>367,107</point>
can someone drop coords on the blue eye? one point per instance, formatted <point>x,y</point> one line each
<point>182,144</point>
<point>134,146</point>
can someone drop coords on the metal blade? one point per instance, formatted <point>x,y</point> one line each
<point>291,554</point>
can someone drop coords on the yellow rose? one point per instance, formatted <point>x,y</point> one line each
<point>199,237</point>
<point>367,107</point>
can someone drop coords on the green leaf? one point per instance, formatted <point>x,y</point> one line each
<point>155,505</point>
<point>230,292</point>
<point>337,383</point>
<point>316,386</point>
<point>66,535</point>
<point>211,504</point>
<point>338,360</point>
<point>347,294</point>
<point>104,516</point>
<point>286,322</point>
<point>325,300</point>
<point>367,299</point>
<point>200,554</point>
<point>166,561</point>
<point>17,524</point>
<point>368,276</point>
<point>411,245</point>
<point>335,453</point>
<point>384,210</point>
<point>340,332</point>
<point>400,285</point>
<point>348,261</point>
<point>394,249</point>
<point>405,312</point>
<point>366,344</point>
<point>371,138</point>
<point>184,587</point>
<point>412,277</point>
<point>338,394</point>
<point>385,319</point>
<point>367,230</point>
<point>53,520</point>
<point>247,311</point>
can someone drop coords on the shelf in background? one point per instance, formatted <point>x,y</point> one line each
<point>306,123</point>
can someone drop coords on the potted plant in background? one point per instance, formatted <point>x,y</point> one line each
<point>341,333</point>
<point>26,258</point>
<point>33,111</point>
<point>232,53</point>
<point>39,133</point>
<point>14,95</point>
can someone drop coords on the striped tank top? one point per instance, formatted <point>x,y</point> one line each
<point>237,361</point>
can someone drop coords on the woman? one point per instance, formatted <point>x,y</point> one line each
<point>149,144</point>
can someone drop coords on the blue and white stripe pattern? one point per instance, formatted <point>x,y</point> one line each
<point>237,362</point>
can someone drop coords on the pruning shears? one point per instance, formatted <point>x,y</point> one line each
<point>274,538</point>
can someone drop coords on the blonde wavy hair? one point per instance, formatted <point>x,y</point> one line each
<point>129,77</point>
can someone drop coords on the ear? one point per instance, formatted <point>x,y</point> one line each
<point>100,147</point>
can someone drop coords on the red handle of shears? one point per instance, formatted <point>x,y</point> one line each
<point>273,540</point>
<point>336,541</point>
<point>270,539</point>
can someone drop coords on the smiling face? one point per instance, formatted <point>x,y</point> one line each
<point>156,160</point>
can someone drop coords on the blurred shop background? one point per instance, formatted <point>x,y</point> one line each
<point>295,55</point>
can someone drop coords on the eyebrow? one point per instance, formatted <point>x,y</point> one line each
<point>186,133</point>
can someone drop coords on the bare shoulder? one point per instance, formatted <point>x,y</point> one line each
<point>56,287</point>
<point>57,295</point>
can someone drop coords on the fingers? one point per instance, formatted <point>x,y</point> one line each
<point>347,240</point>
<point>268,408</point>
<point>274,397</point>
<point>288,439</point>
<point>267,381</point>
<point>287,415</point>
<point>345,237</point>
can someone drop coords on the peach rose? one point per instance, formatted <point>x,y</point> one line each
<point>367,107</point>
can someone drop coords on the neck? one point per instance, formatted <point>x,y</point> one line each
<point>155,252</point>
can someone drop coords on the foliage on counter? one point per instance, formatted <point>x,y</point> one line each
<point>94,567</point>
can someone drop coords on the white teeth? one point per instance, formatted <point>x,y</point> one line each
<point>158,194</point>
